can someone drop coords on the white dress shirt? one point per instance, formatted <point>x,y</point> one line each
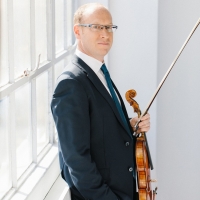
<point>95,65</point>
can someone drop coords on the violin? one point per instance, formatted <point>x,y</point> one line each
<point>143,157</point>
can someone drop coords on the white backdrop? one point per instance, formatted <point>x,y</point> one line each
<point>178,103</point>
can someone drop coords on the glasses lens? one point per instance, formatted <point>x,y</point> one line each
<point>97,27</point>
<point>111,28</point>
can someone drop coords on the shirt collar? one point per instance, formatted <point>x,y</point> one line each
<point>93,63</point>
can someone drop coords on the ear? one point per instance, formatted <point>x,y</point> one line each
<point>77,31</point>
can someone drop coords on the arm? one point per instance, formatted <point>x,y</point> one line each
<point>70,108</point>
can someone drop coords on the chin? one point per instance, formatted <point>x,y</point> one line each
<point>104,51</point>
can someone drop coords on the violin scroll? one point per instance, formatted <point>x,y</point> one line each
<point>130,94</point>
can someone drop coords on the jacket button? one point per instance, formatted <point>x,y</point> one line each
<point>127,144</point>
<point>130,169</point>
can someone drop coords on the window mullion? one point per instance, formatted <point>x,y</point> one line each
<point>50,56</point>
<point>65,8</point>
<point>11,104</point>
<point>12,138</point>
<point>10,41</point>
<point>50,119</point>
<point>51,30</point>
<point>70,21</point>
<point>33,83</point>
<point>34,120</point>
<point>32,31</point>
<point>65,23</point>
<point>74,7</point>
<point>67,26</point>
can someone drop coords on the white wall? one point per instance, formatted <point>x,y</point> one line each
<point>133,57</point>
<point>178,102</point>
<point>104,2</point>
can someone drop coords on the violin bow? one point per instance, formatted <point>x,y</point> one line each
<point>167,73</point>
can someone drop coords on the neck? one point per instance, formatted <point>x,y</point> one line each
<point>99,59</point>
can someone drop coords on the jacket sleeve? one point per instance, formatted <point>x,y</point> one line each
<point>70,108</point>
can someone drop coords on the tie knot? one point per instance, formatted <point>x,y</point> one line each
<point>104,69</point>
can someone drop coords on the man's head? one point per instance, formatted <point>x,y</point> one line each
<point>93,42</point>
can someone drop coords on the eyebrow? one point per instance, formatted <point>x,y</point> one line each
<point>101,24</point>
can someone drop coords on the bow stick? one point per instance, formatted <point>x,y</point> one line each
<point>166,75</point>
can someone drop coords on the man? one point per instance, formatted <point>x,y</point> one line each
<point>96,145</point>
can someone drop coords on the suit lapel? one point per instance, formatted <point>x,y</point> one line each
<point>124,109</point>
<point>100,87</point>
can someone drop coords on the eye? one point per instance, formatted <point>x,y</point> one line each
<point>95,26</point>
<point>108,27</point>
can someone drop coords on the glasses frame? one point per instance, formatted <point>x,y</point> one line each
<point>101,27</point>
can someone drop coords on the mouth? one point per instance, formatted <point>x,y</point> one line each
<point>103,43</point>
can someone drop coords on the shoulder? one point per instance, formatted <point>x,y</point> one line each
<point>73,76</point>
<point>72,71</point>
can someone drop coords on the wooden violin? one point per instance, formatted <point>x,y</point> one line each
<point>143,157</point>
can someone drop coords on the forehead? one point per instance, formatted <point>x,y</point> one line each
<point>97,15</point>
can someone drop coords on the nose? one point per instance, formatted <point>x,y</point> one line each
<point>104,33</point>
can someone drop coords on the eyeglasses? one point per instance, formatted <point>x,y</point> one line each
<point>98,27</point>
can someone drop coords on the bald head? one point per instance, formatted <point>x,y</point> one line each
<point>92,41</point>
<point>87,10</point>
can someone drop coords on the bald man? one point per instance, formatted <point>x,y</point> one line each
<point>96,144</point>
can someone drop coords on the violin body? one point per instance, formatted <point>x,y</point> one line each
<point>143,170</point>
<point>142,155</point>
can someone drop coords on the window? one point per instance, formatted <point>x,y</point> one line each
<point>35,36</point>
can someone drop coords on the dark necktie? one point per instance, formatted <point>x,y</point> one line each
<point>114,96</point>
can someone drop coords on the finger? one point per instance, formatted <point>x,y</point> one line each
<point>144,124</point>
<point>133,121</point>
<point>140,130</point>
<point>145,127</point>
<point>145,117</point>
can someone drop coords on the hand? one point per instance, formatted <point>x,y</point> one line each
<point>144,125</point>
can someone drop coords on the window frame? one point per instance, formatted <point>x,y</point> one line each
<point>9,89</point>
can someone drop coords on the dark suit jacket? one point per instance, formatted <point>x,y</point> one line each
<point>96,151</point>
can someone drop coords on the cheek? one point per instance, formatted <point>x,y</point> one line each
<point>111,40</point>
<point>90,40</point>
